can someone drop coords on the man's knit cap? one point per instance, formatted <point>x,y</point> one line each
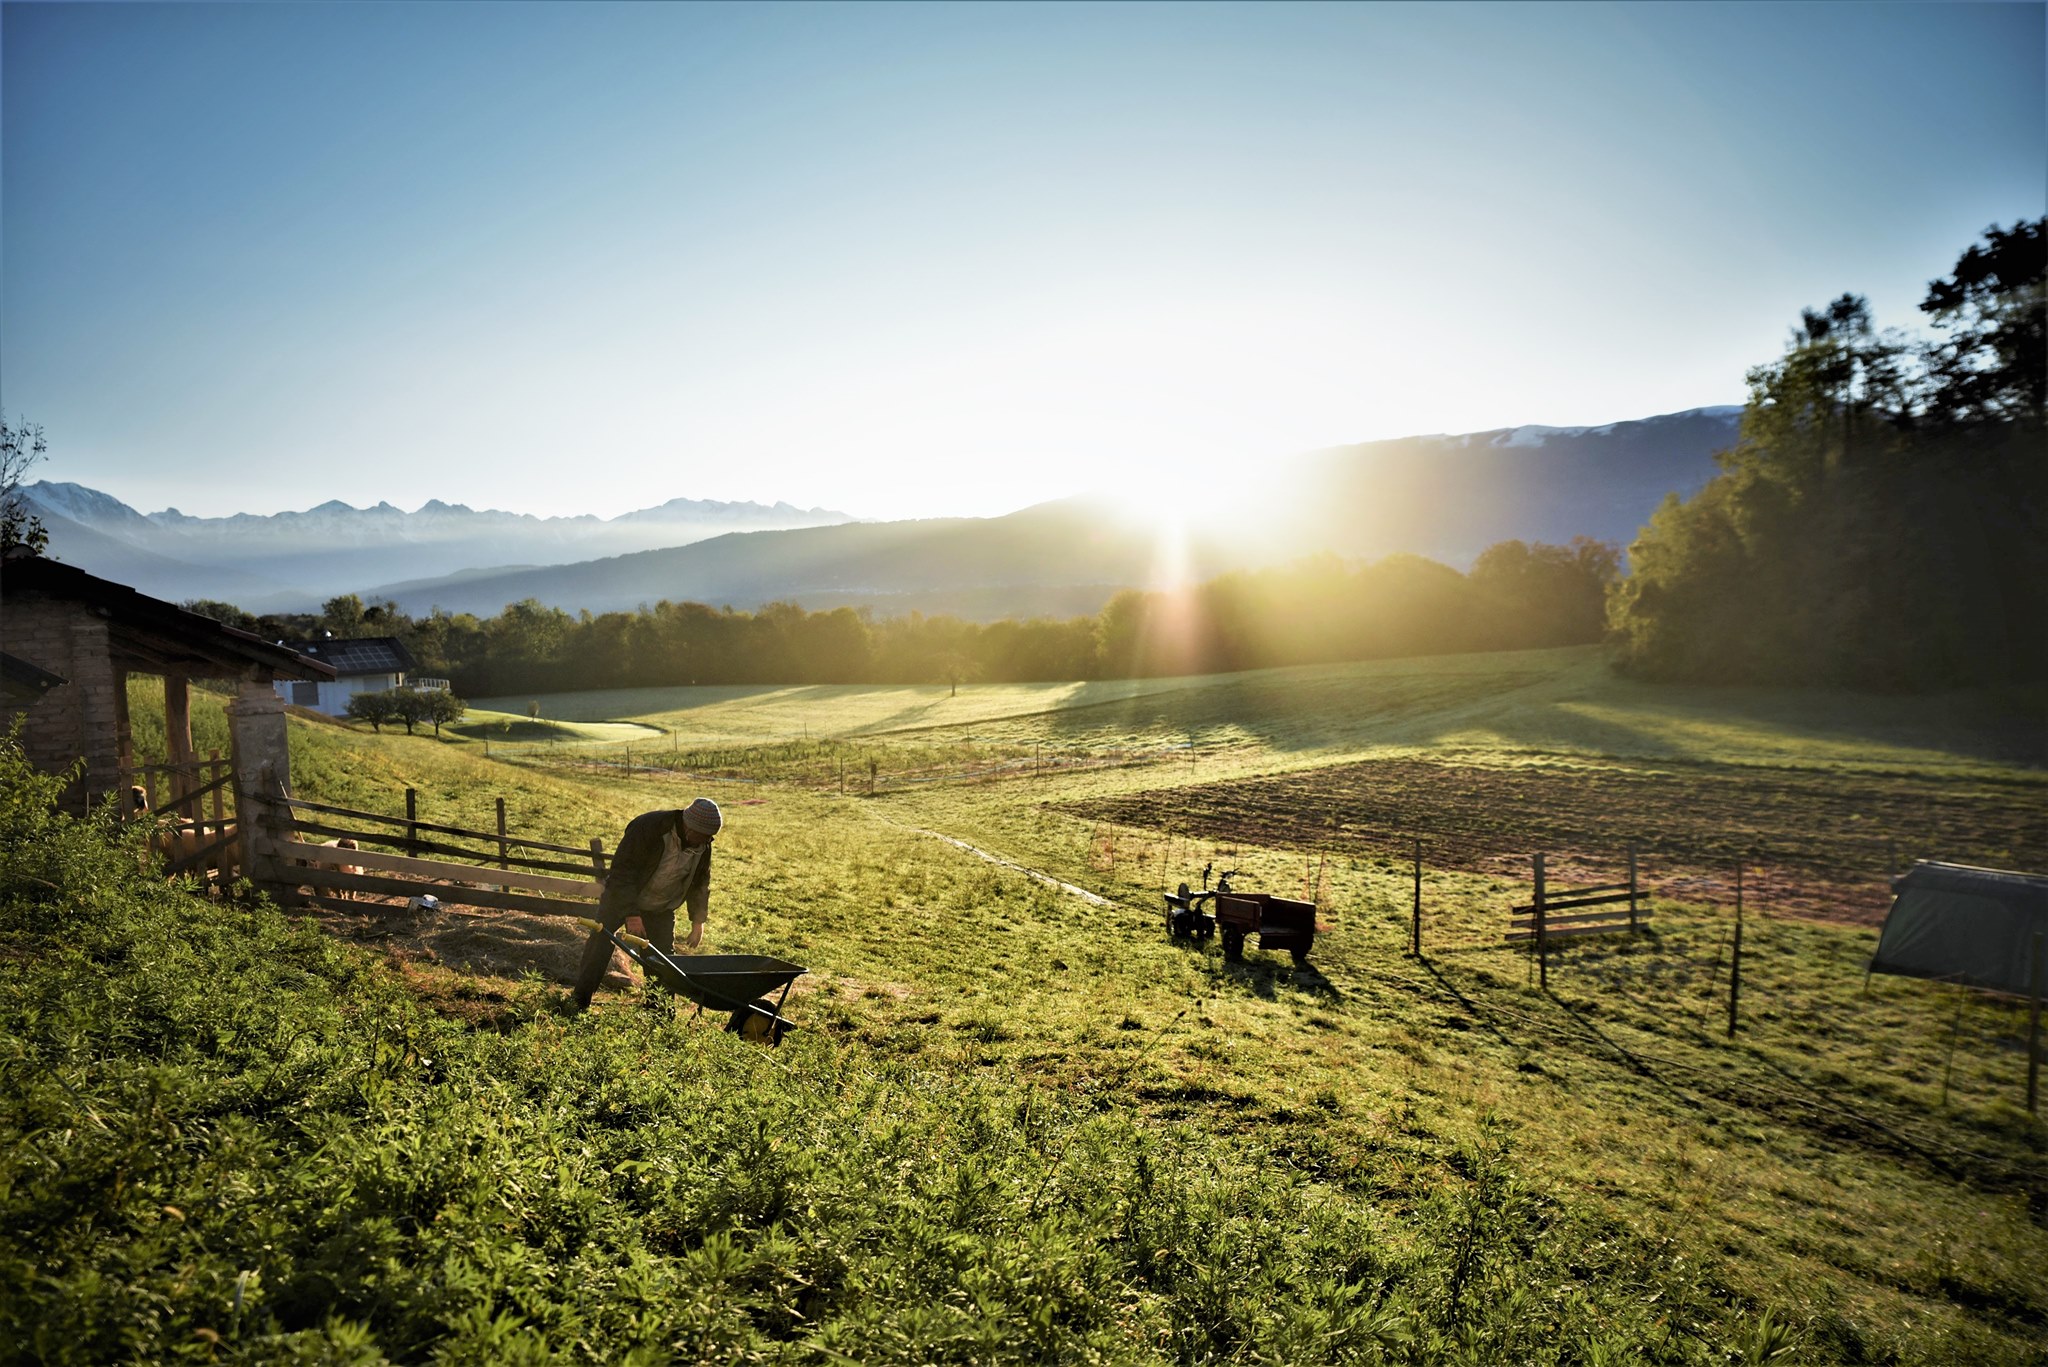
<point>703,817</point>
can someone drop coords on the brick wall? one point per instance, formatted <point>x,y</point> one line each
<point>78,719</point>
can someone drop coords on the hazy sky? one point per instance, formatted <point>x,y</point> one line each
<point>925,259</point>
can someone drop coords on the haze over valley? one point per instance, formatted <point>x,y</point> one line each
<point>1443,497</point>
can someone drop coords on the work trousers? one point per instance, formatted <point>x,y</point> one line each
<point>597,953</point>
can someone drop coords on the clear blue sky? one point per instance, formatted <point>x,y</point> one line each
<point>925,259</point>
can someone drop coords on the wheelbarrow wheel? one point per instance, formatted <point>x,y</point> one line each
<point>759,1022</point>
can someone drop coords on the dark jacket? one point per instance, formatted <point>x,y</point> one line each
<point>637,857</point>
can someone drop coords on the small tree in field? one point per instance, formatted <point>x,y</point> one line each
<point>443,706</point>
<point>408,705</point>
<point>374,708</point>
<point>432,706</point>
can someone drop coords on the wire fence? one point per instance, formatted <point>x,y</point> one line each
<point>850,767</point>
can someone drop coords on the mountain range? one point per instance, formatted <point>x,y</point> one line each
<point>1442,496</point>
<point>292,560</point>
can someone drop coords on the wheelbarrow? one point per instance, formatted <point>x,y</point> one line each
<point>751,987</point>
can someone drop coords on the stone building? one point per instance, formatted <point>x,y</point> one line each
<point>89,634</point>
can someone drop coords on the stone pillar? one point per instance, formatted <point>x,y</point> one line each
<point>263,771</point>
<point>92,673</point>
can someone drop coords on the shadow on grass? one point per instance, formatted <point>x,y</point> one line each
<point>1264,978</point>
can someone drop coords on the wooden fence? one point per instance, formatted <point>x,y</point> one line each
<point>178,798</point>
<point>511,872</point>
<point>1540,922</point>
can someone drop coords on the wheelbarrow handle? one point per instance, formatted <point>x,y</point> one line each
<point>622,936</point>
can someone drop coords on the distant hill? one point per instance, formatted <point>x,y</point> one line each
<point>1059,557</point>
<point>1450,497</point>
<point>293,560</point>
<point>113,557</point>
<point>1446,497</point>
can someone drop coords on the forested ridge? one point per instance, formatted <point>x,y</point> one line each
<point>1881,523</point>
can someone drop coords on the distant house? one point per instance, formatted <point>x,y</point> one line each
<point>365,664</point>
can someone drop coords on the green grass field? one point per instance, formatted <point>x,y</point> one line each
<point>1022,1126</point>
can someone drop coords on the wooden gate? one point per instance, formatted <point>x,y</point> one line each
<point>1559,913</point>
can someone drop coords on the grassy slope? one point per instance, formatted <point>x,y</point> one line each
<point>1809,1166</point>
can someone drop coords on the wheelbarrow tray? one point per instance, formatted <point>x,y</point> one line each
<point>721,980</point>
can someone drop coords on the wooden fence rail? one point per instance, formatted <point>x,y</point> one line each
<point>1537,922</point>
<point>499,876</point>
<point>328,868</point>
<point>492,837</point>
<point>175,796</point>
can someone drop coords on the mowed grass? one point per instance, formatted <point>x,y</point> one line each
<point>1536,703</point>
<point>1851,1177</point>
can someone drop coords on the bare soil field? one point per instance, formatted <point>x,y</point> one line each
<point>1816,843</point>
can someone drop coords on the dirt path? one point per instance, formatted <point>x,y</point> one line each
<point>1091,898</point>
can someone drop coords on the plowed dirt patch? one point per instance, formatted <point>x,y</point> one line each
<point>1818,842</point>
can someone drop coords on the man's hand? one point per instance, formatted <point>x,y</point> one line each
<point>696,936</point>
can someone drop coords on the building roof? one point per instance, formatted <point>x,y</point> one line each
<point>361,655</point>
<point>151,636</point>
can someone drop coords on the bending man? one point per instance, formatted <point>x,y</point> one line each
<point>663,861</point>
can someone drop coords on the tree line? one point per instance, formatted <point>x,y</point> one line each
<point>1882,523</point>
<point>1318,610</point>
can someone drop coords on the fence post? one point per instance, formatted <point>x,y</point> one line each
<point>597,855</point>
<point>412,816</point>
<point>214,775</point>
<point>1948,1064</point>
<point>1631,889</point>
<point>501,835</point>
<point>1735,959</point>
<point>1415,928</point>
<point>1542,939</point>
<point>2039,975</point>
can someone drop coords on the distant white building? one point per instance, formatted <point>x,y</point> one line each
<point>366,664</point>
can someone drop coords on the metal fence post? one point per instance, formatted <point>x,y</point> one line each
<point>1415,934</point>
<point>2039,975</point>
<point>412,818</point>
<point>1735,962</point>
